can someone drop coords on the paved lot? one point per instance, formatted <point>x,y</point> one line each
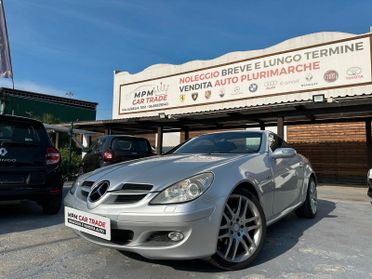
<point>337,244</point>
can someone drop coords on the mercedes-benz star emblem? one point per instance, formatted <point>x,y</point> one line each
<point>3,151</point>
<point>98,191</point>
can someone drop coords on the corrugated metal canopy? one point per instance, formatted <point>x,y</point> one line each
<point>338,109</point>
<point>48,98</point>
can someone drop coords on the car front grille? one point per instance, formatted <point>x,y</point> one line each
<point>139,187</point>
<point>129,198</point>
<point>118,237</point>
<point>85,189</point>
<point>131,193</point>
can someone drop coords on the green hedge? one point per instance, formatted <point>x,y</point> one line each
<point>72,170</point>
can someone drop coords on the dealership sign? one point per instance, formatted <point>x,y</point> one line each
<point>89,223</point>
<point>326,66</point>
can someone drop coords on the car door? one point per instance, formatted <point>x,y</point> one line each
<point>287,177</point>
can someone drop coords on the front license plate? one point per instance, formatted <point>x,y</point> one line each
<point>89,223</point>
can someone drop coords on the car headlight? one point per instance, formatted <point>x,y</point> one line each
<point>185,190</point>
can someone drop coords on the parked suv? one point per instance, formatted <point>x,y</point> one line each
<point>113,149</point>
<point>29,163</point>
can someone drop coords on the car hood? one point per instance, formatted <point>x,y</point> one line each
<point>161,171</point>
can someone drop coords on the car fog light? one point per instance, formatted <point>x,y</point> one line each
<point>175,236</point>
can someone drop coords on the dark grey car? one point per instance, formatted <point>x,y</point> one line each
<point>113,149</point>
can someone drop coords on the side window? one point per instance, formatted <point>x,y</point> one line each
<point>122,144</point>
<point>141,146</point>
<point>130,145</point>
<point>99,144</point>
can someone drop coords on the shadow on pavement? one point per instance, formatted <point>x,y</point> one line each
<point>280,237</point>
<point>284,234</point>
<point>26,215</point>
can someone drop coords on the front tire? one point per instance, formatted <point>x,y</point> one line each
<point>242,232</point>
<point>309,208</point>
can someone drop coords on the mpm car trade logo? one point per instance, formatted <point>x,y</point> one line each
<point>148,94</point>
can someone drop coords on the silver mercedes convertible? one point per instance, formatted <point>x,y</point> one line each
<point>212,197</point>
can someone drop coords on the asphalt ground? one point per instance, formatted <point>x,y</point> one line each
<point>336,244</point>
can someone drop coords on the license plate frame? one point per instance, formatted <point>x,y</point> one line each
<point>89,223</point>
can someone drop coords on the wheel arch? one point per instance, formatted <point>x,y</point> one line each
<point>248,187</point>
<point>313,176</point>
<point>310,175</point>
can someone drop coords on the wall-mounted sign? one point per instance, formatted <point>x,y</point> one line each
<point>326,66</point>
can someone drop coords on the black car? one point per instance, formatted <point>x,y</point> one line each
<point>30,166</point>
<point>113,149</point>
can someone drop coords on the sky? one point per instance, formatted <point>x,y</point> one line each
<point>61,46</point>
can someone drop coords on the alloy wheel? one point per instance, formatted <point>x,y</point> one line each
<point>240,231</point>
<point>313,196</point>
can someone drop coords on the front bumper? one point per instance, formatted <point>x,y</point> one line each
<point>143,228</point>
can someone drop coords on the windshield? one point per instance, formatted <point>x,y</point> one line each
<point>229,142</point>
<point>130,145</point>
<point>19,133</point>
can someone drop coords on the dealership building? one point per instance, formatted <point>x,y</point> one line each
<point>314,90</point>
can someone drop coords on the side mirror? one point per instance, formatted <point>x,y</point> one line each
<point>283,153</point>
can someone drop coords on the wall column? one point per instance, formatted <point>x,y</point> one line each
<point>108,131</point>
<point>280,127</point>
<point>159,146</point>
<point>369,143</point>
<point>186,133</point>
<point>86,143</point>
